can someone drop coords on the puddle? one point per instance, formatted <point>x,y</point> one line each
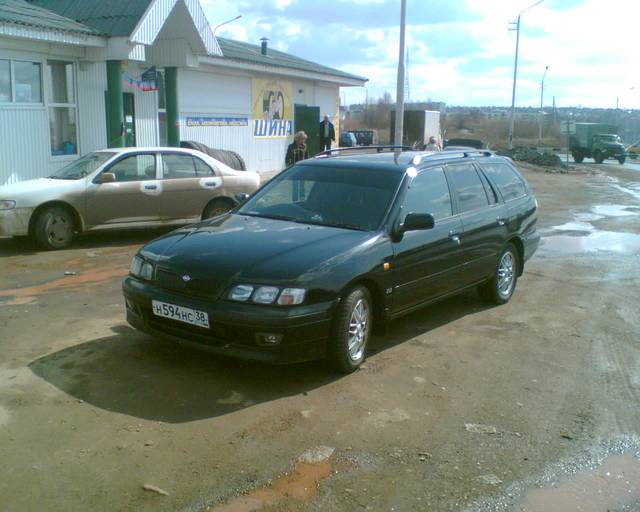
<point>613,485</point>
<point>29,294</point>
<point>596,241</point>
<point>575,226</point>
<point>301,485</point>
<point>614,210</point>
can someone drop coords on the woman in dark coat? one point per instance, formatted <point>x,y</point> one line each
<point>297,150</point>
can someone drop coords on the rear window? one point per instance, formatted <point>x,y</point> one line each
<point>506,179</point>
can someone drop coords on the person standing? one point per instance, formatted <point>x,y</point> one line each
<point>297,150</point>
<point>327,134</point>
<point>432,145</point>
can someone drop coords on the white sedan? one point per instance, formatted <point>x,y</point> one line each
<point>121,188</point>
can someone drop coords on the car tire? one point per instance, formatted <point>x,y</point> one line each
<point>54,228</point>
<point>578,157</point>
<point>217,207</point>
<point>351,330</point>
<point>598,157</point>
<point>622,160</point>
<point>499,289</point>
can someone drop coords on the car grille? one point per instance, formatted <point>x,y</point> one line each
<point>169,280</point>
<point>207,287</point>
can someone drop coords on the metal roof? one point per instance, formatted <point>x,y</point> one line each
<point>22,13</point>
<point>115,18</point>
<point>247,52</point>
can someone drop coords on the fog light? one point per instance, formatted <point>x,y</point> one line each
<point>268,339</point>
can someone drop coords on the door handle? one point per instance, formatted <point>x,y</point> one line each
<point>500,221</point>
<point>210,183</point>
<point>455,237</point>
<point>151,187</point>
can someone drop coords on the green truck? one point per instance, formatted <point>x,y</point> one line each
<point>597,141</point>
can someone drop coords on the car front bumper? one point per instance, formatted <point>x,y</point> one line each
<point>234,327</point>
<point>15,222</point>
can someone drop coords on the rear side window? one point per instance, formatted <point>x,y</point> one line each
<point>506,179</point>
<point>202,169</point>
<point>177,166</point>
<point>429,193</point>
<point>468,188</point>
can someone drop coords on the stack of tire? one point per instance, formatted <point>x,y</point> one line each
<point>230,158</point>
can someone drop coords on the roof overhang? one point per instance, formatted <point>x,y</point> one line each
<point>157,14</point>
<point>51,36</point>
<point>280,70</point>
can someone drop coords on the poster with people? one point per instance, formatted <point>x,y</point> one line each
<point>272,108</point>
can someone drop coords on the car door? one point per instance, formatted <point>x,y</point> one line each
<point>188,184</point>
<point>426,264</point>
<point>513,191</point>
<point>134,196</point>
<point>483,220</point>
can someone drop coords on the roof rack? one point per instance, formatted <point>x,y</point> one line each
<point>482,152</point>
<point>379,149</point>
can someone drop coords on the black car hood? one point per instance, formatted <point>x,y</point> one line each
<point>238,248</point>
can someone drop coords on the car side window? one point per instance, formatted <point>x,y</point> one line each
<point>429,193</point>
<point>202,169</point>
<point>506,179</point>
<point>134,168</point>
<point>178,166</point>
<point>468,187</point>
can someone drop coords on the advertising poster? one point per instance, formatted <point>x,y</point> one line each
<point>272,111</point>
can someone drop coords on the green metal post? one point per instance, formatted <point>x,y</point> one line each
<point>115,114</point>
<point>171,95</point>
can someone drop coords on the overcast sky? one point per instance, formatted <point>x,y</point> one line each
<point>460,51</point>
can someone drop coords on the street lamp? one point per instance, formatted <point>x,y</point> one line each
<point>225,22</point>
<point>541,114</point>
<point>515,72</point>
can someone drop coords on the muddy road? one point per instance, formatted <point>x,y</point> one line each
<point>532,406</point>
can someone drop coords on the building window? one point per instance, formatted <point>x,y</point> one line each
<point>61,100</point>
<point>27,81</point>
<point>5,80</point>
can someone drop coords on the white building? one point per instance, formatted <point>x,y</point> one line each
<point>71,82</point>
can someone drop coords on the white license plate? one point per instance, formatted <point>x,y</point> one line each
<point>180,313</point>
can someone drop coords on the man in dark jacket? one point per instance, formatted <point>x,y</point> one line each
<point>297,150</point>
<point>327,134</point>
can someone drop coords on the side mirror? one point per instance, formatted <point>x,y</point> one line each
<point>241,197</point>
<point>106,177</point>
<point>417,222</point>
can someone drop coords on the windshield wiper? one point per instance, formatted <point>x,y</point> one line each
<point>344,225</point>
<point>271,216</point>
<point>53,177</point>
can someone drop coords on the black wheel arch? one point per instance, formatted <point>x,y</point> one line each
<point>219,199</point>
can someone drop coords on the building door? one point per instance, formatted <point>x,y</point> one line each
<point>129,127</point>
<point>128,103</point>
<point>307,119</point>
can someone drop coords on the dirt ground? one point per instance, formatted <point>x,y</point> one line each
<point>534,405</point>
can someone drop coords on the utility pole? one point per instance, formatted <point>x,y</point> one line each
<point>541,113</point>
<point>515,73</point>
<point>513,92</point>
<point>397,139</point>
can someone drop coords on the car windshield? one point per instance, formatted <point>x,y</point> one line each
<point>329,196</point>
<point>83,166</point>
<point>610,138</point>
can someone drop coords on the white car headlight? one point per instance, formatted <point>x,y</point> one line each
<point>141,268</point>
<point>265,294</point>
<point>241,293</point>
<point>6,204</point>
<point>291,296</point>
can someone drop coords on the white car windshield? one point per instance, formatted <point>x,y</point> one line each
<point>83,166</point>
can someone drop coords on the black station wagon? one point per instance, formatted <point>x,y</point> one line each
<point>332,249</point>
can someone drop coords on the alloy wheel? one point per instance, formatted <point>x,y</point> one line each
<point>358,325</point>
<point>506,274</point>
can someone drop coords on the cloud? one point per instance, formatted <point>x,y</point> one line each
<point>460,52</point>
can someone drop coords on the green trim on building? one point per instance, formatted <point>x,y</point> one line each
<point>252,53</point>
<point>22,13</point>
<point>116,18</point>
<point>115,114</point>
<point>171,98</point>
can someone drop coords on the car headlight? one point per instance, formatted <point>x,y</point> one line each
<point>6,204</point>
<point>267,294</point>
<point>141,268</point>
